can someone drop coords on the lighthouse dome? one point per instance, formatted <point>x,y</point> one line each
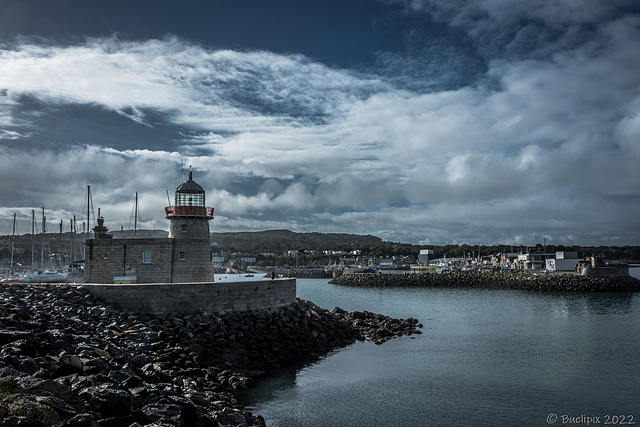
<point>190,186</point>
<point>190,193</point>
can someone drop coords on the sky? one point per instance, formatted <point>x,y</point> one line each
<point>429,122</point>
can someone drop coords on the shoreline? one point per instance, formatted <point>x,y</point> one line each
<point>551,282</point>
<point>67,358</point>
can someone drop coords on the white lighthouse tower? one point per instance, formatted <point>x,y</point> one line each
<point>191,258</point>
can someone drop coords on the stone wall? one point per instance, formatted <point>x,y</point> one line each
<point>107,258</point>
<point>606,271</point>
<point>161,298</point>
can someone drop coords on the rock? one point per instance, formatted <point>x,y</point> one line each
<point>109,401</point>
<point>72,361</point>
<point>8,371</point>
<point>30,412</point>
<point>81,420</point>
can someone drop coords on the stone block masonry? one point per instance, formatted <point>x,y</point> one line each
<point>106,258</point>
<point>224,297</point>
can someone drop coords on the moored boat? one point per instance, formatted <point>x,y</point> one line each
<point>46,276</point>
<point>343,267</point>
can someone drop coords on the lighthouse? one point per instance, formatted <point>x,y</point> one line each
<point>189,228</point>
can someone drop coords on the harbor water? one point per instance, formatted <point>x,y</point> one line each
<point>485,358</point>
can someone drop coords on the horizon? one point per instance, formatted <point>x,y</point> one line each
<point>423,122</point>
<point>528,246</point>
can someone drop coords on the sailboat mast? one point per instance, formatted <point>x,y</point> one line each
<point>44,228</point>
<point>135,220</point>
<point>33,236</point>
<point>13,239</point>
<point>88,208</point>
<point>60,258</point>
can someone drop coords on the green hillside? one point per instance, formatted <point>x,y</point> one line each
<point>282,240</point>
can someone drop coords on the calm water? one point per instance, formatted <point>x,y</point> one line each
<point>485,358</point>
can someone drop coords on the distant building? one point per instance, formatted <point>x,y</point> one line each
<point>425,256</point>
<point>183,257</point>
<point>334,252</point>
<point>385,262</point>
<point>535,261</point>
<point>564,261</point>
<point>506,259</point>
<point>217,260</point>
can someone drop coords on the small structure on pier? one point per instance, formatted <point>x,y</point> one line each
<point>183,257</point>
<point>598,266</point>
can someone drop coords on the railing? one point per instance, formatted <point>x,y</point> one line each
<point>197,211</point>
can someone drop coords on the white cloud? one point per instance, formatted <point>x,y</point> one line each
<point>546,142</point>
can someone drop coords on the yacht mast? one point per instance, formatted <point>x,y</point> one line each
<point>33,234</point>
<point>88,207</point>
<point>135,216</point>
<point>13,239</point>
<point>44,230</point>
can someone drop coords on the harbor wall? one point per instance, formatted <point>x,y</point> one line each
<point>222,297</point>
<point>606,271</point>
<point>552,282</point>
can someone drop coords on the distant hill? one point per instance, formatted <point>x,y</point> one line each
<point>139,234</point>
<point>282,240</point>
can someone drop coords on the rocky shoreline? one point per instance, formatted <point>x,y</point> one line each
<point>514,281</point>
<point>67,359</point>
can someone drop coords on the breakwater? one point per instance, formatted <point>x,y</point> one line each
<point>302,273</point>
<point>68,359</point>
<point>515,281</point>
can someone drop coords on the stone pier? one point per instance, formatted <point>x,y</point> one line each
<point>215,298</point>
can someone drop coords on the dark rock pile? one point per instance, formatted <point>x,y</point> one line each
<point>377,327</point>
<point>66,359</point>
<point>517,281</point>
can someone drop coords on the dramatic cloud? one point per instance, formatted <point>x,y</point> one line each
<point>522,122</point>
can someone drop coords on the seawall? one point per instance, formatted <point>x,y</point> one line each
<point>516,281</point>
<point>224,297</point>
<point>606,271</point>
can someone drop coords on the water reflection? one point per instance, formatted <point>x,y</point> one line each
<point>579,304</point>
<point>282,380</point>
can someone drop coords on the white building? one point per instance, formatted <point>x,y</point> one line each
<point>564,261</point>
